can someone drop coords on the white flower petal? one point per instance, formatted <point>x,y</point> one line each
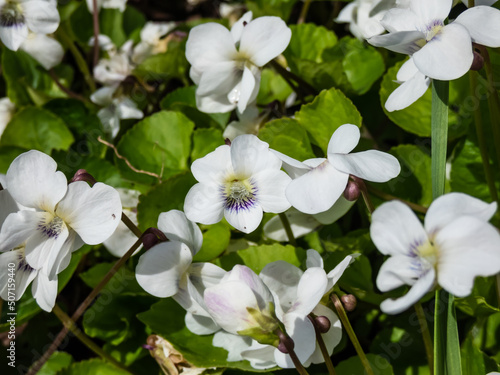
<point>264,38</point>
<point>249,88</point>
<point>317,190</point>
<point>468,247</point>
<point>407,42</point>
<point>249,156</point>
<point>217,103</point>
<point>177,227</point>
<point>250,278</point>
<point>41,16</point>
<point>371,165</point>
<point>448,207</point>
<point>397,19</point>
<point>204,204</point>
<point>301,330</point>
<point>344,139</point>
<point>238,27</point>
<point>339,209</point>
<point>300,223</point>
<point>122,238</point>
<point>44,291</point>
<point>448,55</point>
<point>483,25</point>
<point>331,338</point>
<point>201,325</point>
<point>429,11</point>
<point>260,356</point>
<point>398,270</point>
<point>234,344</point>
<point>407,71</point>
<point>47,51</point>
<point>24,274</point>
<point>7,205</point>
<point>14,35</point>
<point>346,15</point>
<point>314,259</point>
<point>161,268</point>
<point>208,44</point>
<point>127,109</point>
<point>408,93</point>
<point>92,212</point>
<point>219,77</point>
<point>396,230</point>
<point>214,166</point>
<point>104,96</point>
<point>335,274</point>
<point>17,227</point>
<point>312,286</point>
<point>293,167</point>
<point>271,185</point>
<point>417,291</point>
<point>33,181</point>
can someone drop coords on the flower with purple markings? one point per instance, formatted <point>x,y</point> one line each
<point>455,244</point>
<point>238,182</point>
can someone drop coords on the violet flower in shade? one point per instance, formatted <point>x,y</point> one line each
<point>226,64</point>
<point>455,245</point>
<point>238,182</point>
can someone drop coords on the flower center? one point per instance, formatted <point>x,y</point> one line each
<point>239,194</point>
<point>53,228</point>
<point>11,14</point>
<point>428,252</point>
<point>433,29</point>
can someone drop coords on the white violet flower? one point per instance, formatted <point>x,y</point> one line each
<point>7,109</point>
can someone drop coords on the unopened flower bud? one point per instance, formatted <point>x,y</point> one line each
<point>352,191</point>
<point>151,237</point>
<point>478,62</point>
<point>323,323</point>
<point>83,175</point>
<point>349,302</point>
<point>285,341</point>
<point>227,141</point>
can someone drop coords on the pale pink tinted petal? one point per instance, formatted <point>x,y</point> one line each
<point>201,325</point>
<point>250,278</point>
<point>208,44</point>
<point>264,39</point>
<point>161,268</point>
<point>204,204</point>
<point>468,247</point>
<point>396,271</point>
<point>14,36</point>
<point>483,24</point>
<point>44,291</point>
<point>448,55</point>
<point>177,227</point>
<point>317,190</point>
<point>407,42</point>
<point>417,291</point>
<point>396,230</point>
<point>343,141</point>
<point>17,227</point>
<point>429,11</point>
<point>237,28</point>
<point>245,219</point>
<point>408,93</point>
<point>369,165</point>
<point>271,185</point>
<point>33,181</point>
<point>42,17</point>
<point>92,212</point>
<point>448,207</point>
<point>400,20</point>
<point>249,155</point>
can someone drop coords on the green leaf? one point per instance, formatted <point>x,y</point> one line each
<point>7,155</point>
<point>215,241</point>
<point>94,367</point>
<point>57,362</point>
<point>133,20</point>
<point>279,8</point>
<point>123,281</point>
<point>416,118</point>
<point>480,302</point>
<point>474,361</point>
<point>165,143</point>
<point>111,23</point>
<point>165,66</point>
<point>353,365</point>
<point>184,100</point>
<point>36,128</point>
<point>205,141</point>
<point>166,196</point>
<point>82,24</point>
<point>309,41</point>
<point>287,136</point>
<point>329,110</point>
<point>272,87</point>
<point>166,318</point>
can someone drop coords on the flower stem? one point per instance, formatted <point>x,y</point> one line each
<point>322,347</point>
<point>350,332</point>
<point>303,12</point>
<point>388,197</point>
<point>288,229</point>
<point>483,147</point>
<point>446,342</point>
<point>130,225</point>
<point>304,87</point>
<point>426,335</point>
<point>289,347</point>
<point>364,193</point>
<point>83,306</point>
<point>95,19</point>
<point>70,324</point>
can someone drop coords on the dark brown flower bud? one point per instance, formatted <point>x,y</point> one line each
<point>285,341</point>
<point>478,62</point>
<point>352,191</point>
<point>227,141</point>
<point>349,302</point>
<point>83,175</point>
<point>323,324</point>
<point>151,237</point>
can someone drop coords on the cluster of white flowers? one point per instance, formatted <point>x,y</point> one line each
<point>120,63</point>
<point>43,220</point>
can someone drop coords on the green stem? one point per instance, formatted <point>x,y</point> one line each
<point>84,339</point>
<point>388,197</point>
<point>322,347</point>
<point>350,332</point>
<point>303,12</point>
<point>95,21</point>
<point>483,146</point>
<point>446,342</point>
<point>83,306</point>
<point>304,87</point>
<point>288,229</point>
<point>426,336</point>
<point>364,193</point>
<point>130,225</point>
<point>80,61</point>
